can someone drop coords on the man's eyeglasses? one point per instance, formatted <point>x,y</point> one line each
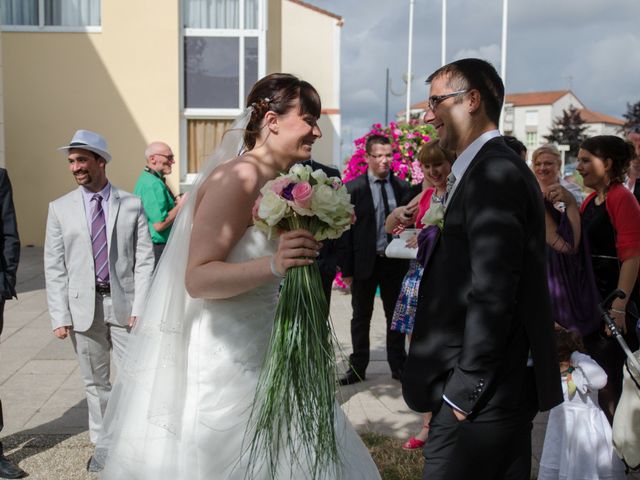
<point>382,155</point>
<point>436,100</point>
<point>168,157</point>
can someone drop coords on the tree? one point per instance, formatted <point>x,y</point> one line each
<point>568,129</point>
<point>632,116</point>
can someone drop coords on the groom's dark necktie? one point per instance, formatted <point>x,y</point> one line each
<point>385,201</point>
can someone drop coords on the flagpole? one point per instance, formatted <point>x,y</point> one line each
<point>407,112</point>
<point>503,59</point>
<point>444,33</point>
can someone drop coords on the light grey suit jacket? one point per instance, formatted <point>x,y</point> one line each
<point>68,260</point>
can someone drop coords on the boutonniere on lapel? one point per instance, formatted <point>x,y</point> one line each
<point>433,221</point>
<point>434,215</point>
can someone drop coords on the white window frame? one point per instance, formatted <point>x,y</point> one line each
<point>219,113</point>
<point>531,118</point>
<point>534,135</point>
<point>41,27</point>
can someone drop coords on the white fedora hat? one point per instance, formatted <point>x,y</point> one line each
<point>91,141</point>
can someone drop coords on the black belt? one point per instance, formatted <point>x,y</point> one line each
<point>103,288</point>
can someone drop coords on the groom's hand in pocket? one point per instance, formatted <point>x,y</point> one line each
<point>459,415</point>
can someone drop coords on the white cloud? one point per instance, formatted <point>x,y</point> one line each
<point>595,42</point>
<point>490,53</point>
<point>608,70</point>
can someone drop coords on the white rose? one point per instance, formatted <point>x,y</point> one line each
<point>319,176</point>
<point>324,202</point>
<point>272,208</point>
<point>434,215</point>
<point>303,172</point>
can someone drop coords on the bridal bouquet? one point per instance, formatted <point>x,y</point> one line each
<point>294,407</point>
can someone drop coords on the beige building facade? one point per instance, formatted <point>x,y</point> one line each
<point>143,70</point>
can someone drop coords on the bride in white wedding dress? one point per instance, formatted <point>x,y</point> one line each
<point>181,404</point>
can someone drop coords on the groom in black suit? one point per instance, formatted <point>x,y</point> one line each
<point>363,262</point>
<point>482,356</point>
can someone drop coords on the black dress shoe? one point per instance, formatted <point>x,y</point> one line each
<point>396,374</point>
<point>351,377</point>
<point>8,469</point>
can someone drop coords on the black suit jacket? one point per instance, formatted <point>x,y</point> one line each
<point>357,247</point>
<point>327,260</point>
<point>9,240</point>
<point>483,299</point>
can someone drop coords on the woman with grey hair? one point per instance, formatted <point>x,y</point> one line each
<point>550,156</point>
<point>569,273</point>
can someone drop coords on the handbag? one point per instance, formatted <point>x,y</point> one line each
<point>397,248</point>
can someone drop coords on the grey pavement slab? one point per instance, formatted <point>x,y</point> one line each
<point>43,398</point>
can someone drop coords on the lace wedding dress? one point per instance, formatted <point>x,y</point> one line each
<point>180,406</point>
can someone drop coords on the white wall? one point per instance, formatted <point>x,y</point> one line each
<point>311,50</point>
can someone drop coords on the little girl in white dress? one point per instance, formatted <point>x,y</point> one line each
<point>577,444</point>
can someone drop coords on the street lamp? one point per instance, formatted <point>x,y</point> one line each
<point>389,89</point>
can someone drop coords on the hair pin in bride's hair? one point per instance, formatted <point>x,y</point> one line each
<point>260,107</point>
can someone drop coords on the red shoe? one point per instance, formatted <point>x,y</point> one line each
<point>413,444</point>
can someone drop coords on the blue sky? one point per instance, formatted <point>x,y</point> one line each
<point>592,46</point>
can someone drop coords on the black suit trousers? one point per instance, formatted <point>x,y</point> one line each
<point>387,274</point>
<point>494,444</point>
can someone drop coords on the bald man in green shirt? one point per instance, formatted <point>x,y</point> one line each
<point>160,205</point>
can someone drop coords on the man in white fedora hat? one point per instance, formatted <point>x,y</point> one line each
<point>98,262</point>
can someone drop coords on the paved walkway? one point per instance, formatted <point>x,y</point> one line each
<point>46,414</point>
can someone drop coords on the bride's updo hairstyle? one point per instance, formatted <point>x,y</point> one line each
<point>277,93</point>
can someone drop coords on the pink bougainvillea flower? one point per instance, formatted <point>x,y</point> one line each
<point>406,140</point>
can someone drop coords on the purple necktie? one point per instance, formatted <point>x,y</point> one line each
<point>99,241</point>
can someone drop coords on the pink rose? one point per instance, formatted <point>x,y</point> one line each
<point>302,194</point>
<point>279,184</point>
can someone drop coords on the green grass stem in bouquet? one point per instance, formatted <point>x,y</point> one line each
<point>293,414</point>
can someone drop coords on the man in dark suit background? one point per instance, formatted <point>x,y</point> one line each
<point>10,248</point>
<point>363,262</point>
<point>482,356</point>
<point>327,260</point>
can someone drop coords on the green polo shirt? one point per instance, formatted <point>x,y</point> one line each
<point>157,202</point>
